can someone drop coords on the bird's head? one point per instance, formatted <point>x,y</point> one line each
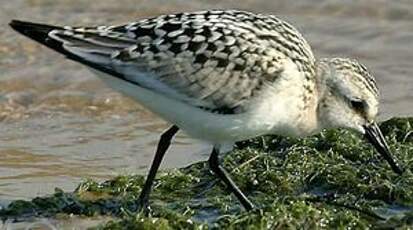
<point>350,99</point>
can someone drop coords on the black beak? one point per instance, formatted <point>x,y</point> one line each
<point>375,137</point>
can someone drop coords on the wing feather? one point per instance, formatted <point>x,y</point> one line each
<point>208,64</point>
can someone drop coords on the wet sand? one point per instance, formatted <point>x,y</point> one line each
<point>59,123</point>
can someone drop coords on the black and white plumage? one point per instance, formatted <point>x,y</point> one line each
<point>223,76</point>
<point>212,59</point>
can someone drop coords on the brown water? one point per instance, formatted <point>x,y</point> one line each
<point>59,124</point>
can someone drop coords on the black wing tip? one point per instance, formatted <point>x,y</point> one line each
<point>40,33</point>
<point>16,24</point>
<point>35,31</point>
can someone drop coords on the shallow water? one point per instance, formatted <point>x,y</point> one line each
<point>59,124</point>
<point>69,223</point>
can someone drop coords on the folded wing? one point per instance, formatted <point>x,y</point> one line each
<point>213,65</point>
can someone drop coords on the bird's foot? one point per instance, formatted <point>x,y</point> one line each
<point>250,207</point>
<point>141,206</point>
<point>205,187</point>
<point>256,210</point>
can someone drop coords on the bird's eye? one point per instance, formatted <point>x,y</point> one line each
<point>358,105</point>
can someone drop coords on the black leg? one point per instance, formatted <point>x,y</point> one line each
<point>224,176</point>
<point>163,145</point>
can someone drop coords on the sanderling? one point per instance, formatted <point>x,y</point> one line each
<point>223,76</point>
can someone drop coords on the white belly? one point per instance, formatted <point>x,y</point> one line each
<point>275,114</point>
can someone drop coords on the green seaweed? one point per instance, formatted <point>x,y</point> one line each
<point>331,180</point>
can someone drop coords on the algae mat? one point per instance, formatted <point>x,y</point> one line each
<point>331,180</point>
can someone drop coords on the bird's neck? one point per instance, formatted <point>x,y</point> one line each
<point>323,73</point>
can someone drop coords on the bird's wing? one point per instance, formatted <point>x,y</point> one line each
<point>217,64</point>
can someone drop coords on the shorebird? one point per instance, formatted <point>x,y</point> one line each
<point>223,76</point>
